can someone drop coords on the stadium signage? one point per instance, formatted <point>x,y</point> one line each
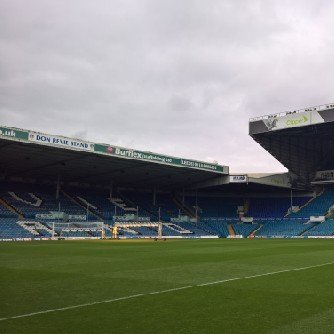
<point>198,164</point>
<point>80,145</point>
<point>60,141</point>
<point>238,179</point>
<point>125,218</point>
<point>296,122</point>
<point>141,155</point>
<point>77,217</point>
<point>325,175</point>
<point>149,156</point>
<point>289,120</point>
<point>48,216</point>
<point>13,133</point>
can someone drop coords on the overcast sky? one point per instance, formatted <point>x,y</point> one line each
<point>180,77</point>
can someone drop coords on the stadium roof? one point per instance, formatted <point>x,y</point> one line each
<point>302,140</point>
<point>40,156</point>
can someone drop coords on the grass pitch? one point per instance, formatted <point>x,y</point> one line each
<point>45,276</point>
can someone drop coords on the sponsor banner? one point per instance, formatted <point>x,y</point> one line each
<point>170,237</point>
<point>54,215</point>
<point>180,219</point>
<point>325,175</point>
<point>317,219</point>
<point>77,217</point>
<point>13,133</point>
<point>238,179</point>
<point>144,219</point>
<point>48,216</point>
<point>277,180</point>
<point>77,144</point>
<point>290,120</point>
<point>60,141</point>
<point>149,156</point>
<point>321,237</point>
<point>125,218</point>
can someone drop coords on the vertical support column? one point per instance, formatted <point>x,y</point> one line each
<point>110,197</point>
<point>59,210</point>
<point>154,195</point>
<point>196,208</point>
<point>110,190</point>
<point>183,196</point>
<point>58,187</point>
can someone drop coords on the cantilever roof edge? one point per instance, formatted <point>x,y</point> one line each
<point>57,141</point>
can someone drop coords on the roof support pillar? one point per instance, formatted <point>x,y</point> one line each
<point>154,195</point>
<point>110,190</point>
<point>196,210</point>
<point>58,187</point>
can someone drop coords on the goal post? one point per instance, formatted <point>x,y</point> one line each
<point>78,230</point>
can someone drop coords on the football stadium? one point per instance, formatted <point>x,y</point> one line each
<point>101,238</point>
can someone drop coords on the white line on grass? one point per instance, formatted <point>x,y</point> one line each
<point>169,290</point>
<point>162,291</point>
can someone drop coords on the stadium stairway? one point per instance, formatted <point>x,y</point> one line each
<point>184,208</point>
<point>143,211</point>
<point>325,228</point>
<point>76,201</point>
<point>305,205</point>
<point>317,206</point>
<point>11,208</point>
<point>231,230</point>
<point>311,226</point>
<point>256,230</point>
<point>287,228</point>
<point>244,229</point>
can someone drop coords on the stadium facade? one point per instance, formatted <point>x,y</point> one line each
<point>58,187</point>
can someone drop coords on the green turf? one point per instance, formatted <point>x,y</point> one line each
<point>40,276</point>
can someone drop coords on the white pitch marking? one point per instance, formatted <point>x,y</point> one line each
<point>162,291</point>
<point>222,281</point>
<point>169,290</point>
<point>73,307</point>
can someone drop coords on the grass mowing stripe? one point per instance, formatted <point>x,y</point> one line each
<point>162,291</point>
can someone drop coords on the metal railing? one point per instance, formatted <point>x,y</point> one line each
<point>285,113</point>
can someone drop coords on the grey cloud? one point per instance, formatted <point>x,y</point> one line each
<point>176,77</point>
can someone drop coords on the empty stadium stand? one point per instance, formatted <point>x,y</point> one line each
<point>318,206</point>
<point>245,229</point>
<point>22,203</point>
<point>283,228</point>
<point>323,229</point>
<point>9,229</point>
<point>273,207</point>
